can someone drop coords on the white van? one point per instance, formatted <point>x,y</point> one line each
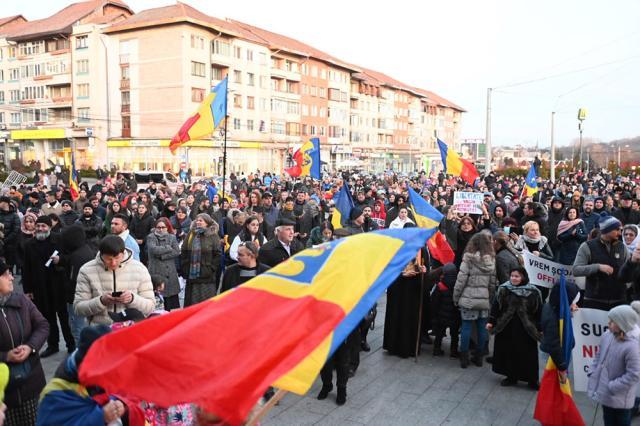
<point>143,178</point>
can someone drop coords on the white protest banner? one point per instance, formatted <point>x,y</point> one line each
<point>588,327</point>
<point>546,273</point>
<point>467,202</point>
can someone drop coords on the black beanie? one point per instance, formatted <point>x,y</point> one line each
<point>88,335</point>
<point>45,219</point>
<point>355,213</point>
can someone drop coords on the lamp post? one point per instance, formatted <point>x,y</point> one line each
<point>582,114</point>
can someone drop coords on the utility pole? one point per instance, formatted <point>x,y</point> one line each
<point>582,114</point>
<point>488,133</point>
<point>552,166</point>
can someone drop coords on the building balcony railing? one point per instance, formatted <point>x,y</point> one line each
<point>124,58</point>
<point>124,84</point>
<point>125,108</point>
<point>126,133</point>
<point>27,101</point>
<point>42,77</point>
<point>61,99</point>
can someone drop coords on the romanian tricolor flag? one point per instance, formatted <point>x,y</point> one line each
<point>202,124</point>
<point>277,329</point>
<point>555,405</point>
<point>307,160</point>
<point>530,184</point>
<point>454,165</point>
<point>440,249</point>
<point>344,204</point>
<point>73,179</point>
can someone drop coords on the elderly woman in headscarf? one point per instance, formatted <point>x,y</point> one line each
<point>200,260</point>
<point>630,237</point>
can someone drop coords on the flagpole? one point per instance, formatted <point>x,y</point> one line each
<point>224,146</point>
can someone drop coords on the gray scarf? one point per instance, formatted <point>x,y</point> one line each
<point>5,298</point>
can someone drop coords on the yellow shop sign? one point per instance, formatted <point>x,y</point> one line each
<point>38,134</point>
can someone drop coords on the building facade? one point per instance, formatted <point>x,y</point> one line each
<point>116,86</point>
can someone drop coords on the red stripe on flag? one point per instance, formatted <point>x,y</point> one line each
<point>183,134</point>
<point>554,407</point>
<point>469,172</point>
<point>440,248</point>
<point>221,355</point>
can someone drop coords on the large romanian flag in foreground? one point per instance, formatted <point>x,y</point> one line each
<point>277,329</point>
<point>456,166</point>
<point>307,160</point>
<point>555,405</point>
<point>210,114</point>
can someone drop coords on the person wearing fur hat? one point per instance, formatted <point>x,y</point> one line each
<point>42,282</point>
<point>601,261</point>
<point>200,260</point>
<point>615,372</point>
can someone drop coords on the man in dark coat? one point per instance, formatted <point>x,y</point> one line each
<point>282,247</point>
<point>42,282</point>
<point>75,252</point>
<point>588,216</point>
<point>624,213</point>
<point>556,212</point>
<point>91,224</point>
<point>68,216</point>
<point>9,218</point>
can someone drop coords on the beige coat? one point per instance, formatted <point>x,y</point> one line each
<point>94,280</point>
<point>476,283</point>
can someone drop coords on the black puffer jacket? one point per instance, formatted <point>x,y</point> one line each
<point>75,253</point>
<point>22,323</point>
<point>11,223</point>
<point>92,227</point>
<point>443,312</point>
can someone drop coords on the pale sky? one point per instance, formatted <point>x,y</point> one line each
<point>458,48</point>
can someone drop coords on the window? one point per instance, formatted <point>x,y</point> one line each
<point>237,52</point>
<point>1,75</point>
<point>197,95</point>
<point>236,124</point>
<point>124,70</point>
<point>82,42</point>
<point>126,126</point>
<point>31,48</point>
<point>264,105</point>
<point>293,108</point>
<point>251,79</point>
<point>83,115</point>
<point>323,112</point>
<point>292,86</point>
<point>323,74</point>
<point>126,98</point>
<point>82,66</point>
<point>14,74</point>
<point>314,71</point>
<point>237,101</point>
<point>275,86</point>
<point>197,42</point>
<point>218,73</point>
<point>334,95</point>
<point>278,127</point>
<point>83,90</point>
<point>1,117</point>
<point>250,125</point>
<point>305,69</point>
<point>237,76</point>
<point>293,129</point>
<point>15,118</point>
<point>305,109</point>
<point>32,92</point>
<point>314,111</point>
<point>14,95</point>
<point>251,102</point>
<point>305,129</point>
<point>221,47</point>
<point>12,54</point>
<point>322,92</point>
<point>263,82</point>
<point>2,96</point>
<point>263,58</point>
<point>250,55</point>
<point>197,69</point>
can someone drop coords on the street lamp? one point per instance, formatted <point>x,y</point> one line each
<point>582,114</point>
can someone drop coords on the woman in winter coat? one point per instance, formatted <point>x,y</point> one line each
<point>22,334</point>
<point>459,232</point>
<point>473,293</point>
<point>571,233</point>
<point>507,258</point>
<point>515,320</point>
<point>250,233</point>
<point>615,372</point>
<point>532,241</point>
<point>140,226</point>
<point>200,260</point>
<point>27,231</point>
<point>181,223</point>
<point>402,219</point>
<point>162,248</point>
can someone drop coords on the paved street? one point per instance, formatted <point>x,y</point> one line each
<point>388,390</point>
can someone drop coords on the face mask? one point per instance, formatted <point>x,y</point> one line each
<point>41,236</point>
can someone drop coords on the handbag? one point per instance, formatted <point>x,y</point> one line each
<point>18,373</point>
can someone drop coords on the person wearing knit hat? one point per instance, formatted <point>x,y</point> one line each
<point>615,373</point>
<point>606,264</point>
<point>356,219</point>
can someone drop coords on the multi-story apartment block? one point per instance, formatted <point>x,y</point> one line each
<point>116,86</point>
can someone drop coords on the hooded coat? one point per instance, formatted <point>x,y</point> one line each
<point>163,251</point>
<point>476,282</point>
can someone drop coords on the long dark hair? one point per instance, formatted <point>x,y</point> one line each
<point>245,235</point>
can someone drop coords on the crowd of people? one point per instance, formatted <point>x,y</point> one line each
<point>117,254</point>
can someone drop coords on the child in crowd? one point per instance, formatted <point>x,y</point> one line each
<point>444,313</point>
<point>158,289</point>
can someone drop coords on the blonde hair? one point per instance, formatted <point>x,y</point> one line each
<point>529,225</point>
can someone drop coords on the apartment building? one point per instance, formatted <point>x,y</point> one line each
<point>47,83</point>
<point>116,86</point>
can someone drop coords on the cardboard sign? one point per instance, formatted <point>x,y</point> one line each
<point>468,202</point>
<point>588,327</point>
<point>546,273</point>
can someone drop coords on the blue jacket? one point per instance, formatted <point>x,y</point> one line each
<point>131,244</point>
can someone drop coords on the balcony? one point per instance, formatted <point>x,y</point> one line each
<point>126,133</point>
<point>27,101</point>
<point>61,100</point>
<point>125,109</point>
<point>42,77</point>
<point>124,84</point>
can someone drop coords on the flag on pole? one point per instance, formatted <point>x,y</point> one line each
<point>456,166</point>
<point>307,160</point>
<point>555,404</point>
<point>425,214</point>
<point>440,249</point>
<point>73,179</point>
<point>344,204</point>
<point>217,356</point>
<point>206,119</point>
<point>530,184</point>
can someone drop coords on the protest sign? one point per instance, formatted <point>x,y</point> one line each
<point>588,327</point>
<point>546,273</point>
<point>467,202</point>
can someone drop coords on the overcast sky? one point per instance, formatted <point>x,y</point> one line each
<point>458,48</point>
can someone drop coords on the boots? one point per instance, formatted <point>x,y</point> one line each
<point>477,358</point>
<point>464,359</point>
<point>342,395</point>
<point>454,348</point>
<point>437,347</point>
<point>325,391</point>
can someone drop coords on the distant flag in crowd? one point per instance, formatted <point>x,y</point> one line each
<point>307,160</point>
<point>344,204</point>
<point>73,179</point>
<point>555,405</point>
<point>454,165</point>
<point>440,249</point>
<point>530,184</point>
<point>425,214</point>
<point>203,123</point>
<point>216,355</point>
